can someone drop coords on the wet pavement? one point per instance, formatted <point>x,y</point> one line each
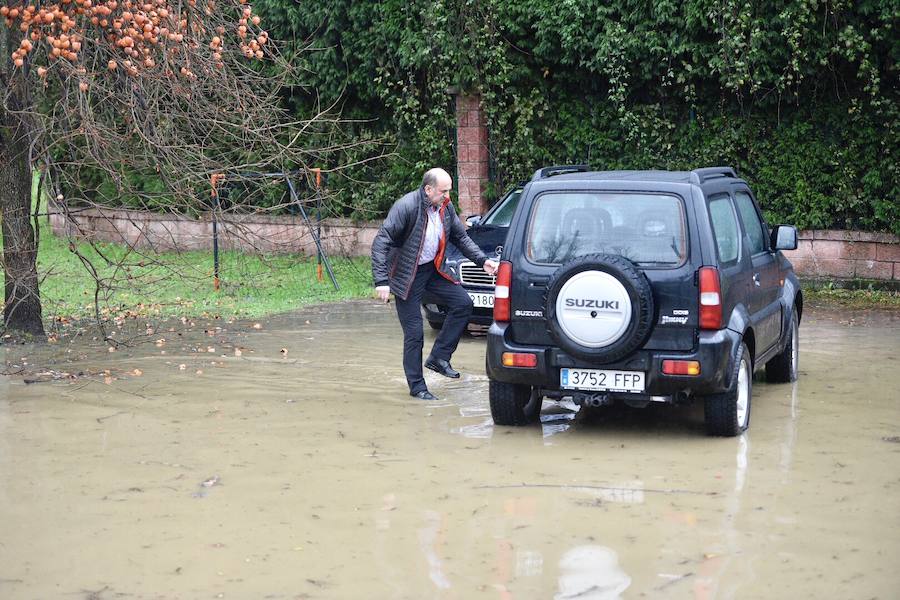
<point>287,461</point>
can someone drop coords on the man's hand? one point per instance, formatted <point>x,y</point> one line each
<point>491,266</point>
<point>384,293</point>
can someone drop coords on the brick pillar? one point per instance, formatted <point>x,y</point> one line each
<point>471,155</point>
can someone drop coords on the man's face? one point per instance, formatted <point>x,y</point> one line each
<point>439,191</point>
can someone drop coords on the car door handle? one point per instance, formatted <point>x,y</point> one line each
<point>538,281</point>
<point>756,279</point>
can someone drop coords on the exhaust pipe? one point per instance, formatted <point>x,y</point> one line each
<point>592,400</point>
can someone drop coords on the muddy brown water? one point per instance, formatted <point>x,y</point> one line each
<point>301,469</point>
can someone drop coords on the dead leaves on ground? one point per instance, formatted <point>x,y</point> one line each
<point>195,352</point>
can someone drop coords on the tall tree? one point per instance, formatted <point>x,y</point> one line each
<point>22,309</point>
<point>143,100</point>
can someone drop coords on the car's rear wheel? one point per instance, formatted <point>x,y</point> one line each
<point>513,404</point>
<point>728,414</point>
<point>784,368</point>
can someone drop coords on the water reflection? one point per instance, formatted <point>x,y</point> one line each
<point>790,434</point>
<point>554,418</point>
<point>529,563</point>
<point>740,467</point>
<point>428,541</point>
<point>591,573</point>
<point>483,429</point>
<point>559,420</point>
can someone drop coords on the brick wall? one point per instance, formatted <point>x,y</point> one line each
<point>471,155</point>
<point>847,255</point>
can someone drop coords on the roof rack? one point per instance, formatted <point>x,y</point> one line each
<point>559,170</point>
<point>699,176</point>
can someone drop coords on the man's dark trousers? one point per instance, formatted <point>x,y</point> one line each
<point>459,309</point>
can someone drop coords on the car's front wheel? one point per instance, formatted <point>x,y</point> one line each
<point>728,414</point>
<point>513,404</point>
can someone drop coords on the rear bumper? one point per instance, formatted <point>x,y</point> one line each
<point>716,351</point>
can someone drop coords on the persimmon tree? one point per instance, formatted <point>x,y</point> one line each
<point>144,100</point>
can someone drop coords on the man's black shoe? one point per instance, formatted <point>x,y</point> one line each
<point>441,366</point>
<point>423,395</point>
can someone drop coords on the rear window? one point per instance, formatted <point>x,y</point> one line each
<point>648,229</point>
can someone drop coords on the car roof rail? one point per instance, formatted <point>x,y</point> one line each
<point>699,176</point>
<point>559,170</point>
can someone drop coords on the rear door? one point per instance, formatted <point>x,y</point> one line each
<point>734,268</point>
<point>766,286</point>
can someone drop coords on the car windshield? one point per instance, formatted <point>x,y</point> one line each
<point>502,213</point>
<point>647,229</point>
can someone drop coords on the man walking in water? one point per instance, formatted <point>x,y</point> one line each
<point>407,256</point>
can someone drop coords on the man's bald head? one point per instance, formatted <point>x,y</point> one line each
<point>434,176</point>
<point>437,183</point>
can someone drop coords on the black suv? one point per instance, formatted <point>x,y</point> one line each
<point>489,232</point>
<point>641,286</point>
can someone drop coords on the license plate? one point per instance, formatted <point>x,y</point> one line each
<point>601,380</point>
<point>482,300</point>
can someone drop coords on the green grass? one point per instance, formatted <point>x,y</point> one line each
<point>141,283</point>
<point>855,299</point>
<point>144,284</point>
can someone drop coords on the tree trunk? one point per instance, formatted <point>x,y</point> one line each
<point>22,311</point>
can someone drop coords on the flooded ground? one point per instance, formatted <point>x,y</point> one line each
<point>289,462</point>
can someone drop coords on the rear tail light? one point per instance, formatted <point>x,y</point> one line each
<point>519,359</point>
<point>501,292</point>
<point>710,299</point>
<point>681,367</point>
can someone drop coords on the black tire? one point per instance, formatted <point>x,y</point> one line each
<point>722,412</point>
<point>512,404</point>
<point>783,368</point>
<point>436,325</point>
<point>639,292</point>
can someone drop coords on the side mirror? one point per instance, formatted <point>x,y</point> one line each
<point>784,237</point>
<point>472,220</point>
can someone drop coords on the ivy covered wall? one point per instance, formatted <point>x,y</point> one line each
<point>800,97</point>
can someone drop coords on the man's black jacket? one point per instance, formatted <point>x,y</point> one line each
<point>398,244</point>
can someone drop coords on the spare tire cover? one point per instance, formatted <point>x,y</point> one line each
<point>599,307</point>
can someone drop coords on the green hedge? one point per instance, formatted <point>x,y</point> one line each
<point>800,97</point>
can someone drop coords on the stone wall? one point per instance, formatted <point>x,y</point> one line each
<point>820,254</point>
<point>847,255</point>
<point>249,233</point>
